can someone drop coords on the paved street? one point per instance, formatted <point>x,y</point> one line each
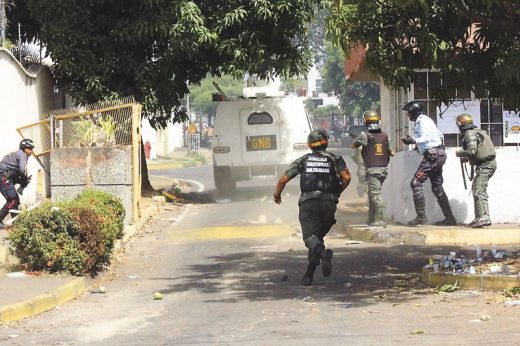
<point>230,275</point>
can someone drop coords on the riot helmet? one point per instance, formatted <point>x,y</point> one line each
<point>414,109</point>
<point>465,122</point>
<point>318,140</point>
<point>372,119</point>
<point>26,143</point>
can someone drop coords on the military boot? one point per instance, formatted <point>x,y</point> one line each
<point>309,274</point>
<point>420,219</point>
<point>326,263</point>
<point>315,254</point>
<point>482,222</point>
<point>379,218</point>
<point>449,219</point>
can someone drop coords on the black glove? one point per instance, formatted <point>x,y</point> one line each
<point>408,140</point>
<point>20,190</point>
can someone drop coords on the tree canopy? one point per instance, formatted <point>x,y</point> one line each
<point>474,45</point>
<point>201,95</point>
<point>154,49</point>
<point>355,97</point>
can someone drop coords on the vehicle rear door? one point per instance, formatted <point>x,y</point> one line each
<point>260,131</point>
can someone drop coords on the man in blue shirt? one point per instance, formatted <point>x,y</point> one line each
<point>13,170</point>
<point>428,140</point>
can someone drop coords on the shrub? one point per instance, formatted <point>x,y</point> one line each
<point>76,236</point>
<point>108,206</point>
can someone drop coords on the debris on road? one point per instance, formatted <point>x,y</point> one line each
<point>418,332</point>
<point>307,299</point>
<point>158,296</point>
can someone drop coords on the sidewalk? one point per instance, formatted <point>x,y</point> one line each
<point>24,295</point>
<point>352,222</point>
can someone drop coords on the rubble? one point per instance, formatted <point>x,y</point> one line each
<point>493,262</point>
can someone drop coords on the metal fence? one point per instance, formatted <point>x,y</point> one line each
<point>103,124</point>
<point>41,134</point>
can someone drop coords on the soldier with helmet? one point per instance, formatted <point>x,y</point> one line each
<point>324,176</point>
<point>479,150</point>
<point>376,152</point>
<point>428,140</point>
<point>13,170</point>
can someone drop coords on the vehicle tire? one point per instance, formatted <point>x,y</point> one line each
<point>223,182</point>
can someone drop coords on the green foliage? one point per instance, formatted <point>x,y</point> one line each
<point>474,47</point>
<point>150,49</point>
<point>201,95</point>
<point>108,207</point>
<point>446,288</point>
<point>76,236</point>
<point>355,97</point>
<point>100,132</point>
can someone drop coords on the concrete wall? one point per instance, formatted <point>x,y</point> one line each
<point>24,96</point>
<point>107,169</point>
<point>503,192</point>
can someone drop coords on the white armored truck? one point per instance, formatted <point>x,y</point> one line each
<point>257,135</point>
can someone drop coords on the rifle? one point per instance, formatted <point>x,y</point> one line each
<point>463,173</point>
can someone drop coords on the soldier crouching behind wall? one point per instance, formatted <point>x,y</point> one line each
<point>324,176</point>
<point>479,150</point>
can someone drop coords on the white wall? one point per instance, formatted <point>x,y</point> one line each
<point>24,96</point>
<point>502,191</point>
<point>169,139</point>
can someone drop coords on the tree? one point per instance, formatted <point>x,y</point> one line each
<point>474,45</point>
<point>151,48</point>
<point>355,97</point>
<point>201,95</point>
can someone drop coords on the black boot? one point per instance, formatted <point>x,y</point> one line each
<point>449,219</point>
<point>309,274</point>
<point>316,253</point>
<point>420,219</point>
<point>326,263</point>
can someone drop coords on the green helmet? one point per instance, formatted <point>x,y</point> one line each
<point>465,122</point>
<point>318,140</point>
<point>372,119</point>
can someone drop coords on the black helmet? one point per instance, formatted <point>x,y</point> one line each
<point>372,119</point>
<point>26,143</point>
<point>318,140</point>
<point>414,108</point>
<point>465,122</point>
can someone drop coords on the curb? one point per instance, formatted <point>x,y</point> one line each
<point>75,287</point>
<point>131,230</point>
<point>43,302</point>
<point>468,281</point>
<point>456,236</point>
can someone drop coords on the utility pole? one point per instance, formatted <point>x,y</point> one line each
<point>3,22</point>
<point>20,42</point>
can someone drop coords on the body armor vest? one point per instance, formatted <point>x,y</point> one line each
<point>319,174</point>
<point>486,149</point>
<point>375,153</point>
<point>9,164</point>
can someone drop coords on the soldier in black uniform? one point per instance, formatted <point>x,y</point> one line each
<point>13,170</point>
<point>324,176</point>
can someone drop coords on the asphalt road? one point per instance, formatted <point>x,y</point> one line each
<point>230,274</point>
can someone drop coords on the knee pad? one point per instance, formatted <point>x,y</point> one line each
<point>438,191</point>
<point>415,184</point>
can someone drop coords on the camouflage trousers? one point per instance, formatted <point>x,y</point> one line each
<point>375,177</point>
<point>483,173</point>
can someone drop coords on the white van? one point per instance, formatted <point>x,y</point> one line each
<point>257,137</point>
